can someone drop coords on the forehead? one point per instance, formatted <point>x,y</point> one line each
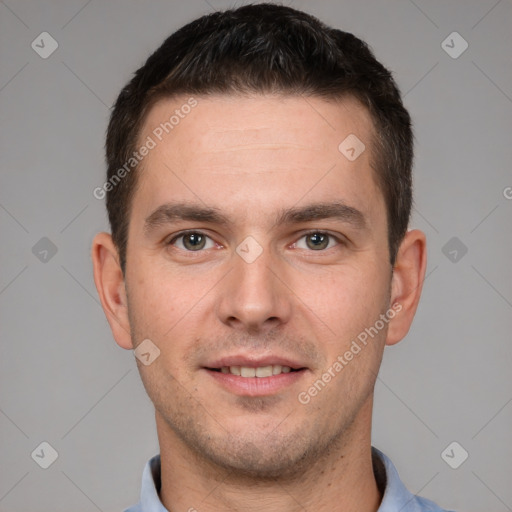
<point>259,148</point>
<point>223,121</point>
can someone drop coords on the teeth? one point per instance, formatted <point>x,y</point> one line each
<point>264,371</point>
<point>261,371</point>
<point>247,372</point>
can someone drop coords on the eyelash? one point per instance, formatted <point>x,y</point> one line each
<point>339,240</point>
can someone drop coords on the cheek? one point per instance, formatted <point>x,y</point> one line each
<point>350,296</point>
<point>166,307</point>
<point>156,294</point>
<point>352,304</point>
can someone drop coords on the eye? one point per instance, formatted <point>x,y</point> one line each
<point>192,241</point>
<point>317,241</point>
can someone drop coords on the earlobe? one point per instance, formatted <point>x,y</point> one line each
<point>407,283</point>
<point>109,281</point>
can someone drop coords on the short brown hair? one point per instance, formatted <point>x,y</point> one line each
<point>265,48</point>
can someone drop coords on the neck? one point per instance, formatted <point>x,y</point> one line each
<point>341,480</point>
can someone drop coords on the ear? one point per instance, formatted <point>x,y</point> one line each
<point>407,283</point>
<point>109,281</point>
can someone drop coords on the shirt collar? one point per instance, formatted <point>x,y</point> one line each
<point>151,483</point>
<point>396,497</point>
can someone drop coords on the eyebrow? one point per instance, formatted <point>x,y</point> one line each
<point>172,212</point>
<point>319,211</point>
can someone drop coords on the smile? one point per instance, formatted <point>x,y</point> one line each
<point>256,381</point>
<point>260,371</point>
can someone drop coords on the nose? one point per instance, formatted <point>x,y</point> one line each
<point>253,297</point>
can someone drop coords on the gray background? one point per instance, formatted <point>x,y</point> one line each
<point>63,380</point>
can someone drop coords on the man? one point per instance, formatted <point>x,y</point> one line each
<point>259,192</point>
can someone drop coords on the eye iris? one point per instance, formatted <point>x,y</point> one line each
<point>317,241</point>
<point>194,241</point>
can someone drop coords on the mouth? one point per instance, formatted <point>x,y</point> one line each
<point>255,372</point>
<point>255,378</point>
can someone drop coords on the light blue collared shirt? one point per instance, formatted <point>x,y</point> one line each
<point>396,497</point>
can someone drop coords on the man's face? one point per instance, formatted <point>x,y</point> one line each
<point>255,242</point>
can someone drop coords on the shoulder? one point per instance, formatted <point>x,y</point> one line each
<point>420,504</point>
<point>135,508</point>
<point>395,495</point>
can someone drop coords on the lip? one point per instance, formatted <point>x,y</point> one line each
<point>255,386</point>
<point>254,362</point>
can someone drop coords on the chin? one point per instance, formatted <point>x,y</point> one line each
<point>265,462</point>
<point>263,456</point>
